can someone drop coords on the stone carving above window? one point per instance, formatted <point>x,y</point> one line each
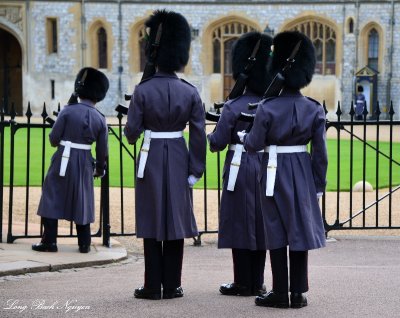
<point>12,14</point>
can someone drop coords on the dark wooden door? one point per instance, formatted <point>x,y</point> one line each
<point>228,79</point>
<point>10,72</point>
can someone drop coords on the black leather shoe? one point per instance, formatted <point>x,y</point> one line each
<point>45,247</point>
<point>172,293</point>
<point>259,291</point>
<point>147,293</point>
<point>272,299</point>
<point>84,248</point>
<point>234,289</point>
<point>297,300</point>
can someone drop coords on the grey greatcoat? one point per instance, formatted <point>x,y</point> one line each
<point>241,222</point>
<point>164,207</point>
<point>72,197</point>
<point>293,216</point>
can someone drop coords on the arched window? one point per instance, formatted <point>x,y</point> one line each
<point>223,38</point>
<point>373,49</point>
<point>324,40</point>
<point>350,26</point>
<point>102,47</point>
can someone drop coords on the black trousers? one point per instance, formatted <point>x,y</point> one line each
<point>163,263</point>
<point>248,267</point>
<point>51,230</point>
<point>298,270</point>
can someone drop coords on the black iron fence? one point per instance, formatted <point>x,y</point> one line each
<point>356,154</point>
<point>377,158</point>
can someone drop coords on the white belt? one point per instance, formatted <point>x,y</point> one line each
<point>148,134</point>
<point>273,150</point>
<point>235,165</point>
<point>67,149</point>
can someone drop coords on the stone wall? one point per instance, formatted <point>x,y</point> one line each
<point>63,66</point>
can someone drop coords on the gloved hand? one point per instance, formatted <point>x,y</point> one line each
<point>192,180</point>
<point>98,174</point>
<point>319,194</point>
<point>241,135</point>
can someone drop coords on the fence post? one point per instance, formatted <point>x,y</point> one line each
<point>1,167</point>
<point>105,207</point>
<point>13,129</point>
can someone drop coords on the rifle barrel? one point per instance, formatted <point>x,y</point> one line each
<point>212,116</point>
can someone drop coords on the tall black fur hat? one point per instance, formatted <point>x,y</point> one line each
<point>173,53</point>
<point>302,70</point>
<point>91,84</point>
<point>259,77</point>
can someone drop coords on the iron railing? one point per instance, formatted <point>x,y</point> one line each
<point>340,212</point>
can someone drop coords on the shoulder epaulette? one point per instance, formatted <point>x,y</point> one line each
<point>313,100</point>
<point>268,99</point>
<point>187,82</point>
<point>234,99</point>
<point>100,112</point>
<point>145,80</point>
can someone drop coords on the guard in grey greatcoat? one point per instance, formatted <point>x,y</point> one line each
<point>161,107</point>
<point>68,192</point>
<point>291,179</point>
<point>360,102</point>
<point>241,222</point>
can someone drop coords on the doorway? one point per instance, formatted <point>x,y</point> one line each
<point>10,72</point>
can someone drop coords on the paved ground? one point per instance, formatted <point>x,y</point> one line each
<point>352,277</point>
<point>18,258</point>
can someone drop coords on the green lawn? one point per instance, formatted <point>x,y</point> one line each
<point>35,176</point>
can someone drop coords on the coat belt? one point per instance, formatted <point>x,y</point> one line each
<point>144,151</point>
<point>67,149</point>
<point>273,150</point>
<point>235,165</point>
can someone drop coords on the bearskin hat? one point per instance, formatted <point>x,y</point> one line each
<point>91,84</point>
<point>259,77</point>
<point>173,52</point>
<point>301,72</point>
<point>360,89</point>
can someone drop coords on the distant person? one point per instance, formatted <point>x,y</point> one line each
<point>161,107</point>
<point>291,179</point>
<point>68,192</point>
<point>241,221</point>
<point>360,102</point>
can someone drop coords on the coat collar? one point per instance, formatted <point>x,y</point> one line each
<point>86,102</point>
<point>164,74</point>
<point>291,92</point>
<point>249,92</point>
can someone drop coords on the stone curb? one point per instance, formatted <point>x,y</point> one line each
<point>53,268</point>
<point>19,259</point>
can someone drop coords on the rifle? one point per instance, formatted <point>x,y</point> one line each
<point>74,96</point>
<point>275,87</point>
<point>239,86</point>
<point>50,120</point>
<point>121,108</point>
<point>149,69</point>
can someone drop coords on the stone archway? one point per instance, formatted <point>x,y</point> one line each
<point>10,72</point>
<point>219,38</point>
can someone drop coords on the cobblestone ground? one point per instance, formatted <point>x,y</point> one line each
<point>351,277</point>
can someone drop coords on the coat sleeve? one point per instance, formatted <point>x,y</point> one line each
<point>319,156</point>
<point>255,139</point>
<point>58,129</point>
<point>102,148</point>
<point>197,138</point>
<point>134,125</point>
<point>221,137</point>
